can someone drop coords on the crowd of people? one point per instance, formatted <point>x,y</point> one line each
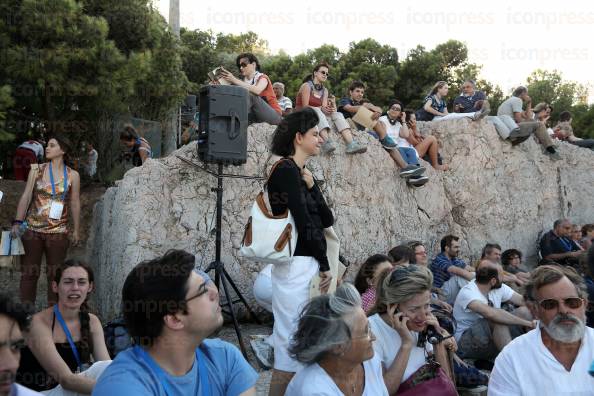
<point>408,325</point>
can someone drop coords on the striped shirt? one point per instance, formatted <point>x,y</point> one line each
<point>285,103</point>
<point>439,267</point>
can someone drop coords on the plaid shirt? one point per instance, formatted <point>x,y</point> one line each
<point>368,299</point>
<point>439,267</point>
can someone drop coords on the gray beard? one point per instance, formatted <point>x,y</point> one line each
<point>566,333</point>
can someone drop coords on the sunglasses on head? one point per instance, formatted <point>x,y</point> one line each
<point>571,302</point>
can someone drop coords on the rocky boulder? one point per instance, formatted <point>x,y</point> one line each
<point>493,192</point>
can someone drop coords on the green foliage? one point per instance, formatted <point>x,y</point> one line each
<point>549,86</point>
<point>6,101</point>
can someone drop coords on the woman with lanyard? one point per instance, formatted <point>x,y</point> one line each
<point>263,105</point>
<point>43,210</point>
<point>292,187</point>
<point>65,340</point>
<point>139,147</point>
<point>312,93</point>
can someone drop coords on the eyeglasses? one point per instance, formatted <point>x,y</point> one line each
<point>368,334</point>
<point>570,302</point>
<point>396,108</point>
<point>324,72</point>
<point>242,64</point>
<point>203,288</point>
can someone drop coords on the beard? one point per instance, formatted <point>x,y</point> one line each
<point>566,333</point>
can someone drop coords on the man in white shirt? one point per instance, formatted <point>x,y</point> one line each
<point>554,358</point>
<point>483,328</point>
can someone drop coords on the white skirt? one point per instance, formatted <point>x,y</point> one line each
<point>290,292</point>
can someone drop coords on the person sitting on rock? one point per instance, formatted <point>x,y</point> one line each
<point>564,131</point>
<point>435,108</point>
<point>365,115</point>
<point>450,273</point>
<point>171,309</point>
<point>334,340</point>
<point>587,236</point>
<point>492,252</point>
<point>511,259</point>
<point>557,244</point>
<point>312,93</point>
<point>542,113</point>
<point>395,123</point>
<point>555,357</point>
<point>426,146</point>
<point>367,277</point>
<point>470,100</point>
<point>66,348</point>
<point>263,106</point>
<point>523,119</point>
<point>285,103</point>
<point>483,328</point>
<point>401,255</point>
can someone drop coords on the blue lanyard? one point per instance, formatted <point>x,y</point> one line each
<point>566,245</point>
<point>68,335</point>
<point>52,181</point>
<point>158,371</point>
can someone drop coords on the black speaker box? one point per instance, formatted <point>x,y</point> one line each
<point>222,132</point>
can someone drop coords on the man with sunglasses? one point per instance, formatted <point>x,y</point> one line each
<point>554,358</point>
<point>14,319</point>
<point>170,309</point>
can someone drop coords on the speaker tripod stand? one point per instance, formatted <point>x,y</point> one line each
<point>222,277</point>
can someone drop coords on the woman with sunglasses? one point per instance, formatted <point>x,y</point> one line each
<point>334,340</point>
<point>312,93</point>
<point>50,198</point>
<point>263,104</point>
<point>403,326</point>
<point>66,348</point>
<point>292,187</point>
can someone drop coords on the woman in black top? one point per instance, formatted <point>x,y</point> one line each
<point>292,186</point>
<point>49,359</point>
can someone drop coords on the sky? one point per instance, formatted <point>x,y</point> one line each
<point>510,39</point>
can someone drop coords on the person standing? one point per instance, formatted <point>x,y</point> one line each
<point>50,197</point>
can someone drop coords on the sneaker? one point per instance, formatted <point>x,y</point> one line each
<point>554,155</point>
<point>482,113</point>
<point>411,170</point>
<point>417,181</point>
<point>262,350</point>
<point>388,143</point>
<point>355,148</point>
<point>328,147</point>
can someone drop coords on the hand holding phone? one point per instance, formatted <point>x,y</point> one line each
<point>399,321</point>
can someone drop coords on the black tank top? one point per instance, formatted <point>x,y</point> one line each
<point>32,375</point>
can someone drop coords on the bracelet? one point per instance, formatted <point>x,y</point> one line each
<point>19,222</point>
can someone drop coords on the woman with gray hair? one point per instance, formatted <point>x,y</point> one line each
<point>335,341</point>
<point>407,332</point>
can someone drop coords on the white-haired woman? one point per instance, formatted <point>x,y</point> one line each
<point>407,334</point>
<point>334,340</point>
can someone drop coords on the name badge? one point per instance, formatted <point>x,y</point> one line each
<point>56,209</point>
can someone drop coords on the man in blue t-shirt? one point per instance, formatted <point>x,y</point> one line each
<point>170,308</point>
<point>450,273</point>
<point>558,246</point>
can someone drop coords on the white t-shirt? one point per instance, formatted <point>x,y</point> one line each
<point>387,344</point>
<point>394,132</point>
<point>92,166</point>
<point>34,146</point>
<point>314,381</point>
<point>466,317</point>
<point>19,390</point>
<point>526,367</point>
<point>510,106</point>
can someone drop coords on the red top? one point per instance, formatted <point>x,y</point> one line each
<point>313,100</point>
<point>269,96</point>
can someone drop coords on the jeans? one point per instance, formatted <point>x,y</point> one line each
<point>409,155</point>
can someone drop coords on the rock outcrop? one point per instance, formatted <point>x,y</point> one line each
<point>493,192</point>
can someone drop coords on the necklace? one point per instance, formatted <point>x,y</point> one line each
<point>318,87</point>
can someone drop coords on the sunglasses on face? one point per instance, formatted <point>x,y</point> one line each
<point>571,303</point>
<point>243,64</point>
<point>324,72</point>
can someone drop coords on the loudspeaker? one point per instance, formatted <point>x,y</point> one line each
<point>222,132</point>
